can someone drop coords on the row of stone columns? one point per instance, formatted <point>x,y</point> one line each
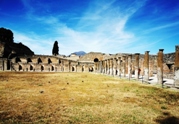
<point>123,65</point>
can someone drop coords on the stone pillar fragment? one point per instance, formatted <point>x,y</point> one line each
<point>160,66</point>
<point>176,67</point>
<point>146,66</point>
<point>130,66</point>
<point>137,66</point>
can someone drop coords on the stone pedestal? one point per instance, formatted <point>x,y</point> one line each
<point>176,67</point>
<point>160,66</point>
<point>137,66</point>
<point>146,66</point>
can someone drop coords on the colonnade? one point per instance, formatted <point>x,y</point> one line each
<point>129,66</point>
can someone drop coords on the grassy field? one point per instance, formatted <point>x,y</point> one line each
<point>83,98</point>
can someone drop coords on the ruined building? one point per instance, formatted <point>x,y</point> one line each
<point>18,57</point>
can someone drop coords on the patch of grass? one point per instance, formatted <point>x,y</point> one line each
<point>82,98</point>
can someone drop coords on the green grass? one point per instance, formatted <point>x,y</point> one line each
<point>83,98</point>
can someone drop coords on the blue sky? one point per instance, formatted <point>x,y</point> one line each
<point>108,26</point>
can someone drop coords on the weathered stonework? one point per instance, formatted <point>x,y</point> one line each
<point>119,66</point>
<point>146,66</point>
<point>130,66</point>
<point>137,71</point>
<point>160,66</point>
<point>124,66</point>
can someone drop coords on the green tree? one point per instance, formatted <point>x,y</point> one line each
<point>55,48</point>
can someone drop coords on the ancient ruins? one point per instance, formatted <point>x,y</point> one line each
<point>18,57</point>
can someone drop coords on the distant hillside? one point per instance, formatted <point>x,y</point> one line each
<point>80,53</point>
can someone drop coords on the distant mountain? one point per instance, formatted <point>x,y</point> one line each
<point>80,53</point>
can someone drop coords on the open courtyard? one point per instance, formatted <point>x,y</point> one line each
<point>83,98</point>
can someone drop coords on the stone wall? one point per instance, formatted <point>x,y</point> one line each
<point>43,63</point>
<point>90,57</point>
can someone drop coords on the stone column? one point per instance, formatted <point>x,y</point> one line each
<point>69,66</point>
<point>111,66</point>
<point>119,66</point>
<point>160,66</point>
<point>126,62</point>
<point>146,66</point>
<point>5,65</point>
<point>114,66</point>
<point>105,66</point>
<point>94,67</point>
<point>129,65</point>
<point>176,67</point>
<point>108,68</point>
<point>151,66</point>
<point>99,67</point>
<point>124,66</point>
<point>137,66</point>
<point>102,66</point>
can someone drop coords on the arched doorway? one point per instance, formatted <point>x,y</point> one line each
<point>20,67</point>
<point>90,69</point>
<point>17,60</point>
<point>83,68</point>
<point>8,65</point>
<point>42,67</point>
<point>31,67</point>
<point>29,60</point>
<point>49,61</point>
<point>52,68</point>
<point>73,68</point>
<point>39,61</point>
<point>59,61</point>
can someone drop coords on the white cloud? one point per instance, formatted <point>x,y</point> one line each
<point>161,27</point>
<point>35,43</point>
<point>101,28</point>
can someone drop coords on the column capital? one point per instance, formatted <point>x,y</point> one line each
<point>137,53</point>
<point>177,47</point>
<point>161,50</point>
<point>147,51</point>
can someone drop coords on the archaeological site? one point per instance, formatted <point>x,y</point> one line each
<point>138,66</point>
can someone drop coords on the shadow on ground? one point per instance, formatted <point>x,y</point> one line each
<point>166,118</point>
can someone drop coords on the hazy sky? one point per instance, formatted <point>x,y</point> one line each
<point>108,26</point>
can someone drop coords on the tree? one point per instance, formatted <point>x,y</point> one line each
<point>55,48</point>
<point>6,35</point>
